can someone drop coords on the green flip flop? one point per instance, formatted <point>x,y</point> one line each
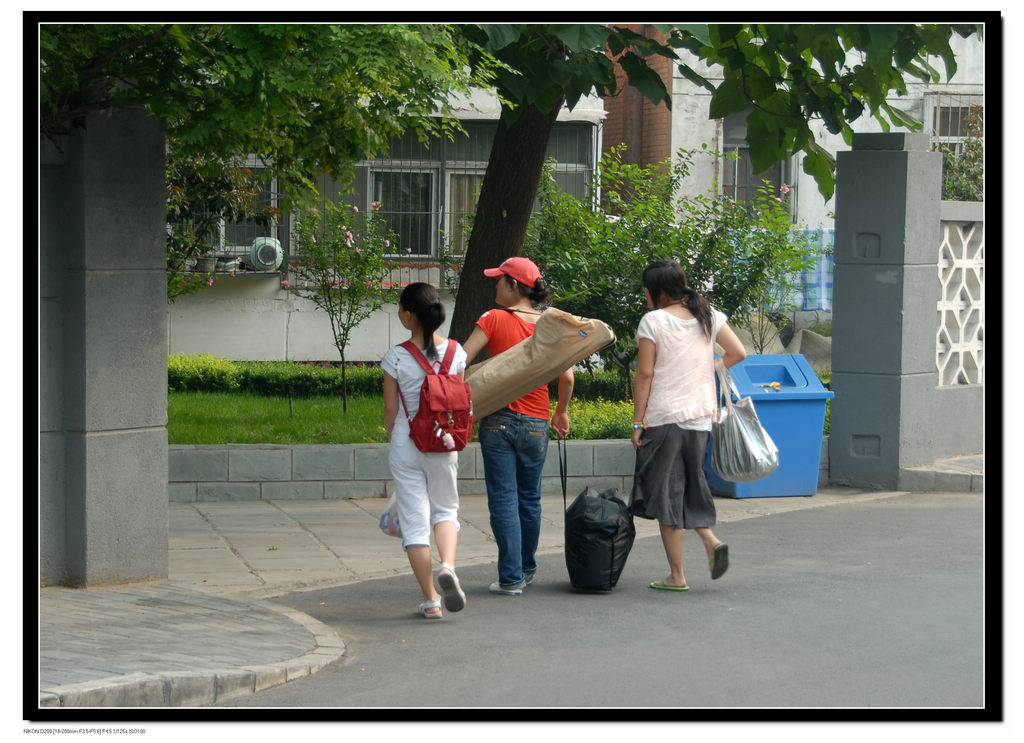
<point>663,586</point>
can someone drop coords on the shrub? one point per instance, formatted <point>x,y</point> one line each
<point>205,373</point>
<point>292,379</point>
<point>600,419</point>
<point>601,385</point>
<point>202,372</point>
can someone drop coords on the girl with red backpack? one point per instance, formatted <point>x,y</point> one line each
<point>425,482</point>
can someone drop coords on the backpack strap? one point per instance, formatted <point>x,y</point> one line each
<point>417,354</point>
<point>446,362</point>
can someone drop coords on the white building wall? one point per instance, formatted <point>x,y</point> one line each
<point>691,127</point>
<point>251,318</point>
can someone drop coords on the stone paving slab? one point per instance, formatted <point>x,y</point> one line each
<point>167,644</point>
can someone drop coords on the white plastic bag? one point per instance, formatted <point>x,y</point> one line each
<point>741,450</point>
<point>389,519</point>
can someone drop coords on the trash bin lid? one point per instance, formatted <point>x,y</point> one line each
<point>777,376</point>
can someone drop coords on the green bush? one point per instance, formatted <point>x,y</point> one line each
<point>292,379</point>
<point>602,385</point>
<point>600,419</point>
<point>202,372</point>
<point>206,373</point>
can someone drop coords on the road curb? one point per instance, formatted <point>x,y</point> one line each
<point>187,689</point>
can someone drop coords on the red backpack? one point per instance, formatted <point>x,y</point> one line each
<point>444,421</point>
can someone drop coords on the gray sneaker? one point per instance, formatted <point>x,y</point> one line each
<point>528,576</point>
<point>507,589</point>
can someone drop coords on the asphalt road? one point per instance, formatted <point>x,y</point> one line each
<point>876,604</point>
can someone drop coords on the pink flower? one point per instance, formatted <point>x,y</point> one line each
<point>784,189</point>
<point>209,281</point>
<point>778,200</point>
<point>359,251</point>
<point>315,211</point>
<point>375,205</point>
<point>387,243</point>
<point>286,284</point>
<point>408,250</point>
<point>355,209</point>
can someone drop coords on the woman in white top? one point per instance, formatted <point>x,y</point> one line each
<point>673,400</point>
<point>425,483</point>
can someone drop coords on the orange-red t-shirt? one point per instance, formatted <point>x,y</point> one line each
<point>505,329</point>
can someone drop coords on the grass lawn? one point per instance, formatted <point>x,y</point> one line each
<point>242,418</point>
<point>210,418</point>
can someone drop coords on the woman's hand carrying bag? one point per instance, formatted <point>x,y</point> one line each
<point>741,450</point>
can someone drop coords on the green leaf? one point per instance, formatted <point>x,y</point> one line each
<point>501,35</point>
<point>644,79</point>
<point>903,118</point>
<point>581,37</point>
<point>818,165</point>
<point>695,78</point>
<point>699,31</point>
<point>729,98</point>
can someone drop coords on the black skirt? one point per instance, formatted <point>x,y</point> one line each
<point>669,482</point>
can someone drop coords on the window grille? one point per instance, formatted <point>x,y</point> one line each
<point>948,118</point>
<point>739,181</point>
<point>426,189</point>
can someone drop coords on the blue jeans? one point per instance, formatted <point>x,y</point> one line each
<point>513,447</point>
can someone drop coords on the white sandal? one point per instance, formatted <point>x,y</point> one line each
<point>428,605</point>
<point>454,597</point>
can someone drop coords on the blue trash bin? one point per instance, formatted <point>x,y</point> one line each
<point>793,415</point>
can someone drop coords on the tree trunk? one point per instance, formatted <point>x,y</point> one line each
<point>503,210</point>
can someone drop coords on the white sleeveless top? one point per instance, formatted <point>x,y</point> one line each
<point>683,387</point>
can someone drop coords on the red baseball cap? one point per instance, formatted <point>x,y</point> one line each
<point>521,269</point>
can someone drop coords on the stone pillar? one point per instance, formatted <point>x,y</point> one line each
<point>889,412</point>
<point>103,353</point>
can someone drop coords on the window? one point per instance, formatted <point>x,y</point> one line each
<point>949,118</point>
<point>238,235</point>
<point>739,181</point>
<point>463,190</point>
<point>425,188</point>
<point>407,204</point>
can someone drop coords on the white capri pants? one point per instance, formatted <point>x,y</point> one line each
<point>426,490</point>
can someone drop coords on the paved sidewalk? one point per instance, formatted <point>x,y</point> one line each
<point>211,631</point>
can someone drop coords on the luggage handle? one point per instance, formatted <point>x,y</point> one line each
<point>563,474</point>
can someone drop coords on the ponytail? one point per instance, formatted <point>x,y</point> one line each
<point>423,300</point>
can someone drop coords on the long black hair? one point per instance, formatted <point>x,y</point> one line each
<point>424,301</point>
<point>669,278</point>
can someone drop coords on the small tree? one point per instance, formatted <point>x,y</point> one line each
<point>746,257</point>
<point>743,258</point>
<point>341,267</point>
<point>963,173</point>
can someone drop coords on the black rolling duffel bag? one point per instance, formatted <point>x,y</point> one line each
<point>599,533</point>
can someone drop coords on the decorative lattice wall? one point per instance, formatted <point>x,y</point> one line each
<point>960,341</point>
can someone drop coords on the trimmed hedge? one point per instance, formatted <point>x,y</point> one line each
<point>294,379</point>
<point>206,373</point>
<point>202,373</point>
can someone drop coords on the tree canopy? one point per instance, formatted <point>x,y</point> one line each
<point>793,74</point>
<point>307,98</point>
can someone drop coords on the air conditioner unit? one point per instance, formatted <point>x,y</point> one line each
<point>266,254</point>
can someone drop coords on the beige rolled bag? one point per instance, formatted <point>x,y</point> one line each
<point>559,340</point>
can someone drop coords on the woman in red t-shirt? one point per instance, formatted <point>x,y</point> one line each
<point>514,440</point>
